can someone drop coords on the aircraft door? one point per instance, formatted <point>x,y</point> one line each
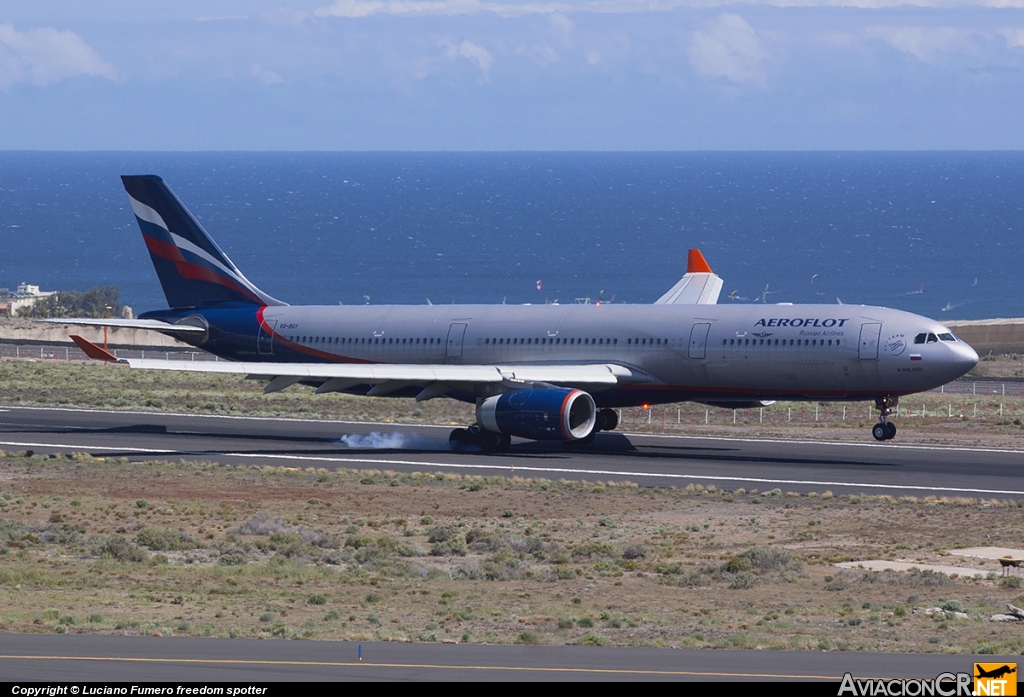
<point>456,333</point>
<point>869,334</point>
<point>265,337</point>
<point>699,339</point>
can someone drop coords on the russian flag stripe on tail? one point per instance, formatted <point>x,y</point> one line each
<point>192,268</point>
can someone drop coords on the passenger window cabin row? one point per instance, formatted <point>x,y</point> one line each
<point>546,341</point>
<point>780,342</point>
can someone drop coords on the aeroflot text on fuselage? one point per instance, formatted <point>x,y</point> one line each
<point>809,322</point>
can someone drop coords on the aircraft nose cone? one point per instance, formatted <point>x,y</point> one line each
<point>963,358</point>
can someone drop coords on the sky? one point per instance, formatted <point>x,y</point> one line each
<point>508,75</point>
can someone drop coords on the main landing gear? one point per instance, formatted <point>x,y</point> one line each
<point>884,429</point>
<point>485,440</point>
<point>607,420</point>
<point>490,442</point>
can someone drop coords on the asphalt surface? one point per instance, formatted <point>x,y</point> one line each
<point>175,660</point>
<point>803,466</point>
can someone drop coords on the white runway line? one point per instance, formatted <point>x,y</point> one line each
<point>392,424</point>
<point>512,469</point>
<point>832,443</point>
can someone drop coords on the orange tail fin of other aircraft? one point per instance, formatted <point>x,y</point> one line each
<point>695,263</point>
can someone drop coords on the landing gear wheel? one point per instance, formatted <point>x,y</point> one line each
<point>489,442</point>
<point>460,438</point>
<point>884,430</point>
<point>607,420</point>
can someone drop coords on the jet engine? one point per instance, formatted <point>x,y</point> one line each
<point>541,414</point>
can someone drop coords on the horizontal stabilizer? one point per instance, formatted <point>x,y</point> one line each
<point>151,324</point>
<point>700,285</point>
<point>92,350</point>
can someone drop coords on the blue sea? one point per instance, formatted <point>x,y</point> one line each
<point>936,233</point>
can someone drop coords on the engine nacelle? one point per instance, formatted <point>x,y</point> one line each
<point>547,414</point>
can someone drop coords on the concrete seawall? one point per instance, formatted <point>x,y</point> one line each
<point>995,336</point>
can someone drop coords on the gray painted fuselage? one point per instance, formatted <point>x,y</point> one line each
<point>676,352</point>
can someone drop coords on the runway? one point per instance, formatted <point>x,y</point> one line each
<point>174,660</point>
<point>648,460</point>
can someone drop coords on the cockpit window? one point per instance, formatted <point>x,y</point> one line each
<point>948,336</point>
<point>932,338</point>
<point>919,339</point>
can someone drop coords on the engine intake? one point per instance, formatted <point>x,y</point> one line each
<point>548,414</point>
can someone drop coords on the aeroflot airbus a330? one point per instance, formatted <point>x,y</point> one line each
<point>541,372</point>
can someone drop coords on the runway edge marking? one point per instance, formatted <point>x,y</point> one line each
<point>522,468</point>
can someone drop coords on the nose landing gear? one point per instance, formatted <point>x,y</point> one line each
<point>884,429</point>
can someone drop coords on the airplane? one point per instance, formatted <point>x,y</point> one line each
<point>995,672</point>
<point>539,372</point>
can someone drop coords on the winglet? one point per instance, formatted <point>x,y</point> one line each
<point>92,350</point>
<point>695,263</point>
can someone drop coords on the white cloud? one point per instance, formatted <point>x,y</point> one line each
<point>443,8</point>
<point>46,55</point>
<point>542,53</point>
<point>1014,37</point>
<point>412,8</point>
<point>730,49</point>
<point>474,53</point>
<point>561,22</point>
<point>267,77</point>
<point>222,18</point>
<point>925,43</point>
<point>282,16</point>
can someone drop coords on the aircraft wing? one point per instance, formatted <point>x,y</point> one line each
<point>700,285</point>
<point>152,324</point>
<point>385,379</point>
<point>377,374</point>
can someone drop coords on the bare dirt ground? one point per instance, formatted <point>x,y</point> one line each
<point>195,549</point>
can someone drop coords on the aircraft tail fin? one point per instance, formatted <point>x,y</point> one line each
<point>192,268</point>
<point>696,263</point>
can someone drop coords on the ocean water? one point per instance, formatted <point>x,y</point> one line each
<point>939,234</point>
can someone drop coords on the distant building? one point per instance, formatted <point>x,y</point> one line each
<point>29,290</point>
<point>27,295</point>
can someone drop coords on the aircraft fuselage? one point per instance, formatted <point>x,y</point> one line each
<point>675,352</point>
